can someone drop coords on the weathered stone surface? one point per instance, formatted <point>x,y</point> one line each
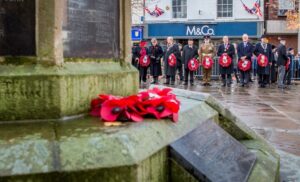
<point>267,162</point>
<point>211,154</point>
<point>55,92</point>
<point>179,174</point>
<point>86,150</point>
<point>234,126</point>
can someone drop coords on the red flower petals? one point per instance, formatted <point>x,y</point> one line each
<point>152,103</point>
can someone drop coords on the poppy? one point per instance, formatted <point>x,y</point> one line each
<point>166,106</point>
<point>120,109</point>
<point>97,103</point>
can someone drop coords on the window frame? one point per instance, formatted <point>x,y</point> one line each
<point>181,6</point>
<point>223,5</point>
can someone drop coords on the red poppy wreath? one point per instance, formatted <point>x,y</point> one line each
<point>156,103</point>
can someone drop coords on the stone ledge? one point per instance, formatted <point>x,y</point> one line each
<point>55,92</point>
<point>84,147</point>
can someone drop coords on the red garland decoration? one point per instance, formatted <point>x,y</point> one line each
<point>151,103</point>
<point>262,60</point>
<point>193,64</point>
<point>244,65</point>
<point>225,60</point>
<point>207,62</point>
<point>172,60</point>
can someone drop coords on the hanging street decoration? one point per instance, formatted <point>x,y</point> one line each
<point>156,12</point>
<point>255,10</point>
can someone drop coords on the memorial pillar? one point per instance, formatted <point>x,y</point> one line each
<point>49,15</point>
<point>57,55</point>
<point>125,24</point>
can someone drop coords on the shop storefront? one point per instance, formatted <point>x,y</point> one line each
<point>183,31</point>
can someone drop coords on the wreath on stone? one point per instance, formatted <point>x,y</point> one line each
<point>155,103</point>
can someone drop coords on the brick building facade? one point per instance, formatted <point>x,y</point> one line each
<point>275,24</point>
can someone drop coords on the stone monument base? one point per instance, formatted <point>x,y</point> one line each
<point>34,91</point>
<point>86,150</point>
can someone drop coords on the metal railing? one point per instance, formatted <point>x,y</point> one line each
<point>295,69</point>
<point>215,70</point>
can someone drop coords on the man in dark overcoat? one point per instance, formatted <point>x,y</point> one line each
<point>264,48</point>
<point>170,71</point>
<point>245,52</point>
<point>155,53</point>
<point>226,48</point>
<point>190,51</point>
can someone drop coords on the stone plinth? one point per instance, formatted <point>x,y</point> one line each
<point>86,150</point>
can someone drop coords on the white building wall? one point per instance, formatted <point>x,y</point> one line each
<point>207,8</point>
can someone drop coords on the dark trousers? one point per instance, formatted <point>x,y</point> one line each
<point>235,71</point>
<point>172,78</point>
<point>143,73</point>
<point>188,73</point>
<point>288,77</point>
<point>245,76</point>
<point>180,71</point>
<point>264,79</point>
<point>226,78</point>
<point>155,79</point>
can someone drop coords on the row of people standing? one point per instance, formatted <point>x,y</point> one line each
<point>144,57</point>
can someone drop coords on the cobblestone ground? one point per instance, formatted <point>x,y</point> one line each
<point>274,113</point>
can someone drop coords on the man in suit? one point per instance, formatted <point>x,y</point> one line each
<point>190,51</point>
<point>264,48</point>
<point>245,52</point>
<point>170,71</point>
<point>281,62</point>
<point>226,48</point>
<point>155,53</point>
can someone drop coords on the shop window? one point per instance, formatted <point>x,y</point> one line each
<point>224,8</point>
<point>284,6</point>
<point>179,8</point>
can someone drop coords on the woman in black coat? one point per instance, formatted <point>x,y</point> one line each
<point>155,53</point>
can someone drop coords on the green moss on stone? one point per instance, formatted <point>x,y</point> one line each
<point>179,174</point>
<point>267,165</point>
<point>52,92</point>
<point>154,169</point>
<point>20,60</point>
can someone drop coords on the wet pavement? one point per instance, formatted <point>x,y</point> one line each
<point>273,113</point>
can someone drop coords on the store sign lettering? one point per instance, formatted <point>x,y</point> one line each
<point>194,30</point>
